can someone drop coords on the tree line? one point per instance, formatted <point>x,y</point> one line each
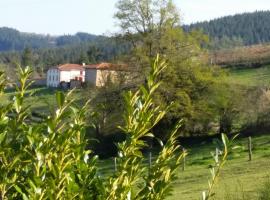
<point>14,40</point>
<point>107,49</point>
<point>236,30</point>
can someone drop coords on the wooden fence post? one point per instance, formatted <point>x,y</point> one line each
<point>115,164</point>
<point>150,159</point>
<point>184,160</point>
<point>249,148</point>
<point>217,155</point>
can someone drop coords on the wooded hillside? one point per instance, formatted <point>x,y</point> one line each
<point>14,40</point>
<point>245,29</point>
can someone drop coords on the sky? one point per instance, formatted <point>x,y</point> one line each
<point>57,17</point>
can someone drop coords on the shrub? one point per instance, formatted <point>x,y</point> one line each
<point>49,160</point>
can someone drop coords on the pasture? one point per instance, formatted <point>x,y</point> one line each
<point>240,179</point>
<point>249,76</point>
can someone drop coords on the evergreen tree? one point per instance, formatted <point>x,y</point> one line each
<point>250,28</point>
<point>27,57</point>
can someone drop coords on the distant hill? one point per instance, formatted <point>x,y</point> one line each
<point>236,30</point>
<point>14,40</point>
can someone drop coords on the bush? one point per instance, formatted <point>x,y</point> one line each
<point>50,159</point>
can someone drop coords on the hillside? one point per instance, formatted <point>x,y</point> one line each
<point>46,50</point>
<point>14,40</point>
<point>240,29</point>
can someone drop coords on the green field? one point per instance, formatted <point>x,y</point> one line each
<point>250,76</point>
<point>240,179</point>
<point>40,99</point>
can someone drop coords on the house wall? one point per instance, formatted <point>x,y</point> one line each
<point>91,76</point>
<point>99,77</point>
<point>53,76</point>
<point>66,76</point>
<point>104,75</point>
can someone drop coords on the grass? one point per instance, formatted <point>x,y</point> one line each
<point>240,179</point>
<point>237,178</point>
<point>41,99</point>
<point>250,76</point>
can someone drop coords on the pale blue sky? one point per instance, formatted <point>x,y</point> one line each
<point>96,16</point>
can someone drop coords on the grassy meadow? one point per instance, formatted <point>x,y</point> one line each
<point>41,99</point>
<point>240,179</point>
<point>250,76</point>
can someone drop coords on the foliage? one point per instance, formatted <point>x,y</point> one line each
<point>107,102</point>
<point>79,48</point>
<point>219,164</point>
<point>49,160</point>
<point>153,27</point>
<point>14,40</point>
<point>140,118</point>
<point>145,24</point>
<point>27,57</point>
<point>246,28</point>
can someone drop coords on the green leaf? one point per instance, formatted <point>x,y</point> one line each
<point>2,137</point>
<point>60,99</point>
<point>21,192</point>
<point>225,139</point>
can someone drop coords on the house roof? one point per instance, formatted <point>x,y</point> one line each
<point>69,67</point>
<point>106,66</point>
<point>100,66</point>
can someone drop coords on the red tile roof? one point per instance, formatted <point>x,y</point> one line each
<point>101,66</point>
<point>69,67</point>
<point>106,66</point>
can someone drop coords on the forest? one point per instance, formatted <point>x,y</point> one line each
<point>236,30</point>
<point>14,40</point>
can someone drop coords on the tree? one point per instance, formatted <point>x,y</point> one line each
<point>153,26</point>
<point>144,22</point>
<point>94,54</point>
<point>244,29</point>
<point>27,57</point>
<point>83,58</point>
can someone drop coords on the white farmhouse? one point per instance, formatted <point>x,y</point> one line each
<point>65,73</point>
